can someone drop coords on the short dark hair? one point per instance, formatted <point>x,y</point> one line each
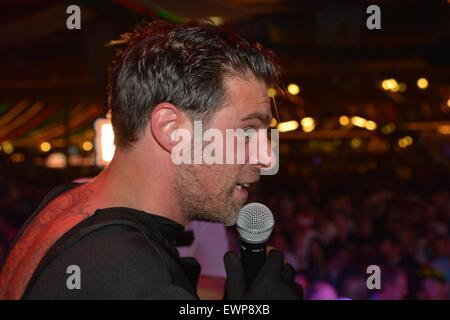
<point>181,64</point>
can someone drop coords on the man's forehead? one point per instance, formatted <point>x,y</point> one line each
<point>247,96</point>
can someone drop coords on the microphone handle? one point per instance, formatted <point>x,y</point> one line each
<point>253,257</point>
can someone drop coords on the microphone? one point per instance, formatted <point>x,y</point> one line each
<point>254,224</point>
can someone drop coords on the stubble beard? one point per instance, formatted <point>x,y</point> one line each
<point>199,203</point>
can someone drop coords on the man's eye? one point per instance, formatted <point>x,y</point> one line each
<point>249,132</point>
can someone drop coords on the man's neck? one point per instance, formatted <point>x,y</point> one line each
<point>126,182</point>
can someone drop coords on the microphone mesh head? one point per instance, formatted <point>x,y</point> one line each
<point>255,223</point>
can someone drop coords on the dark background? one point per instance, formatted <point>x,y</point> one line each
<point>345,197</point>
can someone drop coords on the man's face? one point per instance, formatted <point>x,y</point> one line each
<point>216,192</point>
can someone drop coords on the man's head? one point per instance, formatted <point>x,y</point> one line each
<point>170,75</point>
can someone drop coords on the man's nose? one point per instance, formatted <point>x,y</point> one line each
<point>265,157</point>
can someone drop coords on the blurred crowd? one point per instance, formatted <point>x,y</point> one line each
<point>332,234</point>
<point>330,228</point>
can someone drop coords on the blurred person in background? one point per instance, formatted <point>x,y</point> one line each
<point>433,285</point>
<point>322,291</point>
<point>355,287</point>
<point>441,256</point>
<point>394,285</point>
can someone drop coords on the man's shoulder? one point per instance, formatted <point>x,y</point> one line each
<point>113,261</point>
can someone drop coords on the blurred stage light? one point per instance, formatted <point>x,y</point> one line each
<point>402,143</point>
<point>422,83</point>
<point>344,120</point>
<point>45,146</point>
<point>308,124</point>
<point>389,84</point>
<point>443,129</point>
<point>405,141</point>
<point>293,89</point>
<point>448,103</point>
<point>388,128</point>
<point>355,143</point>
<point>395,88</point>
<point>287,126</point>
<point>359,122</point>
<point>273,122</point>
<point>87,146</point>
<point>402,87</point>
<point>104,142</point>
<point>271,92</point>
<point>7,147</point>
<point>56,160</point>
<point>371,125</point>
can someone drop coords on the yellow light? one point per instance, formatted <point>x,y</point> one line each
<point>371,125</point>
<point>448,103</point>
<point>402,87</point>
<point>422,83</point>
<point>307,122</point>
<point>344,120</point>
<point>293,89</point>
<point>395,88</point>
<point>408,140</point>
<point>273,123</point>
<point>271,92</point>
<point>389,84</point>
<point>402,143</point>
<point>308,129</point>
<point>405,141</point>
<point>45,146</point>
<point>355,143</point>
<point>443,129</point>
<point>359,122</point>
<point>87,146</point>
<point>7,147</point>
<point>390,127</point>
<point>287,126</point>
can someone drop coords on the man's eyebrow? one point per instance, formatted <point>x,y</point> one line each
<point>265,118</point>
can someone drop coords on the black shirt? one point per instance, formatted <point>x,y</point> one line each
<point>122,253</point>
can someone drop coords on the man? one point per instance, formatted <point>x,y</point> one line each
<point>115,237</point>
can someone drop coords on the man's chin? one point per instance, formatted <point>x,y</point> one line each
<point>230,223</point>
<point>229,218</point>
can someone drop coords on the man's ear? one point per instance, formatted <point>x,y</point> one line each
<point>164,120</point>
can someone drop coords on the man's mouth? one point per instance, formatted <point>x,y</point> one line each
<point>241,191</point>
<point>243,186</point>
